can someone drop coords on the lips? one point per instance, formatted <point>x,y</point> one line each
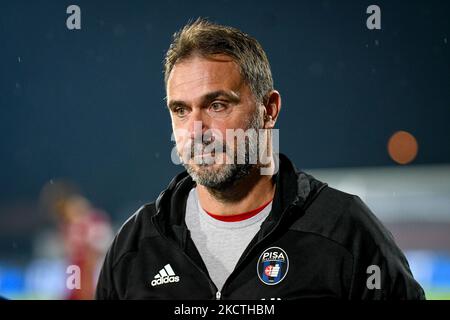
<point>207,158</point>
<point>198,151</point>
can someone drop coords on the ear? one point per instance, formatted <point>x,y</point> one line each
<point>272,109</point>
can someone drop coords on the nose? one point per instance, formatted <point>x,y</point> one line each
<point>197,125</point>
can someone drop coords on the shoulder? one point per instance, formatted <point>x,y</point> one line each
<point>345,219</point>
<point>136,228</point>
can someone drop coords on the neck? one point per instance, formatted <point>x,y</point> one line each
<point>247,194</point>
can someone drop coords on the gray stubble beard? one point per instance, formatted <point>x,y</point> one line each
<point>227,175</point>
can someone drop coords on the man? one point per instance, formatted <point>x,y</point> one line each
<point>226,229</point>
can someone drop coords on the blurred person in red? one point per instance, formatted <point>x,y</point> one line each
<point>86,233</point>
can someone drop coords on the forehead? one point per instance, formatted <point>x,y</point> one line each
<point>198,75</point>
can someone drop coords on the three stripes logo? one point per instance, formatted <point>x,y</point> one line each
<point>164,276</point>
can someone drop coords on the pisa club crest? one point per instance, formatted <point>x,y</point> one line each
<point>272,266</point>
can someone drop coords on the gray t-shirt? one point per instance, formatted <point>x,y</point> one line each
<point>220,243</point>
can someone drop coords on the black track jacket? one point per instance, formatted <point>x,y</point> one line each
<point>317,242</point>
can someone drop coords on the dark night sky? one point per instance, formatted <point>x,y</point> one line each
<point>88,104</point>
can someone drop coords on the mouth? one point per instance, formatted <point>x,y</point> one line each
<point>205,154</point>
<point>205,157</point>
<point>214,157</point>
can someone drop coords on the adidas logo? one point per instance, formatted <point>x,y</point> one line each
<point>164,276</point>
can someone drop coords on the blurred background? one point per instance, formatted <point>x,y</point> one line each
<point>85,134</point>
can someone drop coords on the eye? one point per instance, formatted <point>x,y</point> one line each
<point>218,107</point>
<point>180,112</point>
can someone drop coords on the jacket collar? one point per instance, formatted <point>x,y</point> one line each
<point>293,188</point>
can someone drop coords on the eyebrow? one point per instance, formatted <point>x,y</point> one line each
<point>232,96</point>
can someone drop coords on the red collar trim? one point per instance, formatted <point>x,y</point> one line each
<point>240,216</point>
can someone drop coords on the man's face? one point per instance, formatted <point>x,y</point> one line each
<point>210,91</point>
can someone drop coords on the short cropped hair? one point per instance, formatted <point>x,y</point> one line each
<point>205,38</point>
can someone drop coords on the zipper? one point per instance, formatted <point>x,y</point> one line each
<point>290,206</point>
<point>212,286</point>
<point>241,261</point>
<point>293,204</point>
<point>214,290</point>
